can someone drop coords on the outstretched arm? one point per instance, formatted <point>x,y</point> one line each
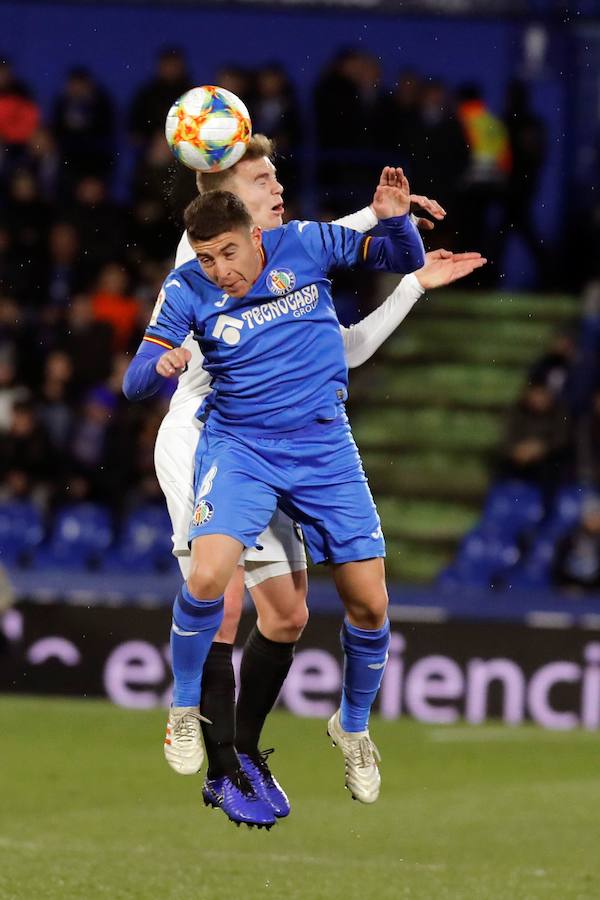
<point>331,245</point>
<point>365,219</point>
<point>363,339</point>
<point>441,267</point>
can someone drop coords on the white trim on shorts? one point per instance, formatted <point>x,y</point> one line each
<point>257,572</point>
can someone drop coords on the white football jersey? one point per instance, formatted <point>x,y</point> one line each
<point>194,383</point>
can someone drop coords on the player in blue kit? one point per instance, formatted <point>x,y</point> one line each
<point>262,313</point>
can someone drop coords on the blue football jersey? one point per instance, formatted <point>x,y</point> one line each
<point>276,355</point>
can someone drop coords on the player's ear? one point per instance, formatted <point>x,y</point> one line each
<point>256,236</point>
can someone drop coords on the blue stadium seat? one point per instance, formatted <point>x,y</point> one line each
<point>512,507</point>
<point>145,542</point>
<point>535,570</point>
<point>80,536</point>
<point>482,558</point>
<point>21,531</point>
<point>566,511</point>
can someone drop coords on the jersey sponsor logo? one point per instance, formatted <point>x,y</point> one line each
<point>220,303</point>
<point>203,513</point>
<point>281,281</point>
<point>298,304</point>
<point>377,534</point>
<point>228,328</point>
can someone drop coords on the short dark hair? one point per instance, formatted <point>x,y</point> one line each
<point>214,213</point>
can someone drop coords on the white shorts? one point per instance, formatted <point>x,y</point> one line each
<point>174,454</point>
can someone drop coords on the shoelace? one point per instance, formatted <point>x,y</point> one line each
<point>261,764</point>
<point>240,780</point>
<point>186,729</point>
<point>364,753</point>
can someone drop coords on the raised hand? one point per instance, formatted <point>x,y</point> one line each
<point>392,194</point>
<point>443,267</point>
<point>173,362</point>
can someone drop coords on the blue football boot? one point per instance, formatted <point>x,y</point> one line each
<point>239,801</point>
<point>264,783</point>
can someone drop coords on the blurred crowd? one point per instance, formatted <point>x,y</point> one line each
<point>80,269</point>
<point>552,442</point>
<point>540,523</point>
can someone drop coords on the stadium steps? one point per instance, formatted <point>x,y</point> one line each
<point>429,475</point>
<point>428,413</point>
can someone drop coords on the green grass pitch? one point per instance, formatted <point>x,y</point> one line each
<point>89,810</point>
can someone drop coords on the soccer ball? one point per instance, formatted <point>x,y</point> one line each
<point>208,129</point>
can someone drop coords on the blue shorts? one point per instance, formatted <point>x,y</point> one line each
<point>314,475</point>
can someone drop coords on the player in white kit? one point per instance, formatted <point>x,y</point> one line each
<point>275,570</point>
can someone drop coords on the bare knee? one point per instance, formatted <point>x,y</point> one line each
<point>284,627</point>
<point>369,615</point>
<point>294,622</point>
<point>205,583</point>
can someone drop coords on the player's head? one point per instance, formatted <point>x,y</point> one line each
<point>225,240</point>
<point>254,180</point>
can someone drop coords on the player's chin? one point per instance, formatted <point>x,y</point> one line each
<point>240,290</point>
<point>276,216</point>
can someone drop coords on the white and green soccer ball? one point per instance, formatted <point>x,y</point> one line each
<point>208,129</point>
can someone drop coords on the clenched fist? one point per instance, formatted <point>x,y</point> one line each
<point>172,363</point>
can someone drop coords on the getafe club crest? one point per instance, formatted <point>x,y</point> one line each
<point>203,512</point>
<point>281,281</point>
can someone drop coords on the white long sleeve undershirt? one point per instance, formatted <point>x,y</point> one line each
<point>363,339</point>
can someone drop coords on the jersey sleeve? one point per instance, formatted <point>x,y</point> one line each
<point>172,317</point>
<point>401,250</point>
<point>329,245</point>
<point>170,323</point>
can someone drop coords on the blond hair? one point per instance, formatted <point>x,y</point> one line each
<point>259,145</point>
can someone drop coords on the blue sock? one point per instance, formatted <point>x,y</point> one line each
<point>365,656</point>
<point>195,623</point>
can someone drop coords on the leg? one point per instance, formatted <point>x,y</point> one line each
<point>230,511</point>
<point>280,601</point>
<point>269,652</point>
<point>365,638</point>
<point>198,612</point>
<point>174,461</point>
<point>362,588</point>
<point>341,526</point>
<point>276,578</point>
<point>218,686</point>
<point>195,623</point>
